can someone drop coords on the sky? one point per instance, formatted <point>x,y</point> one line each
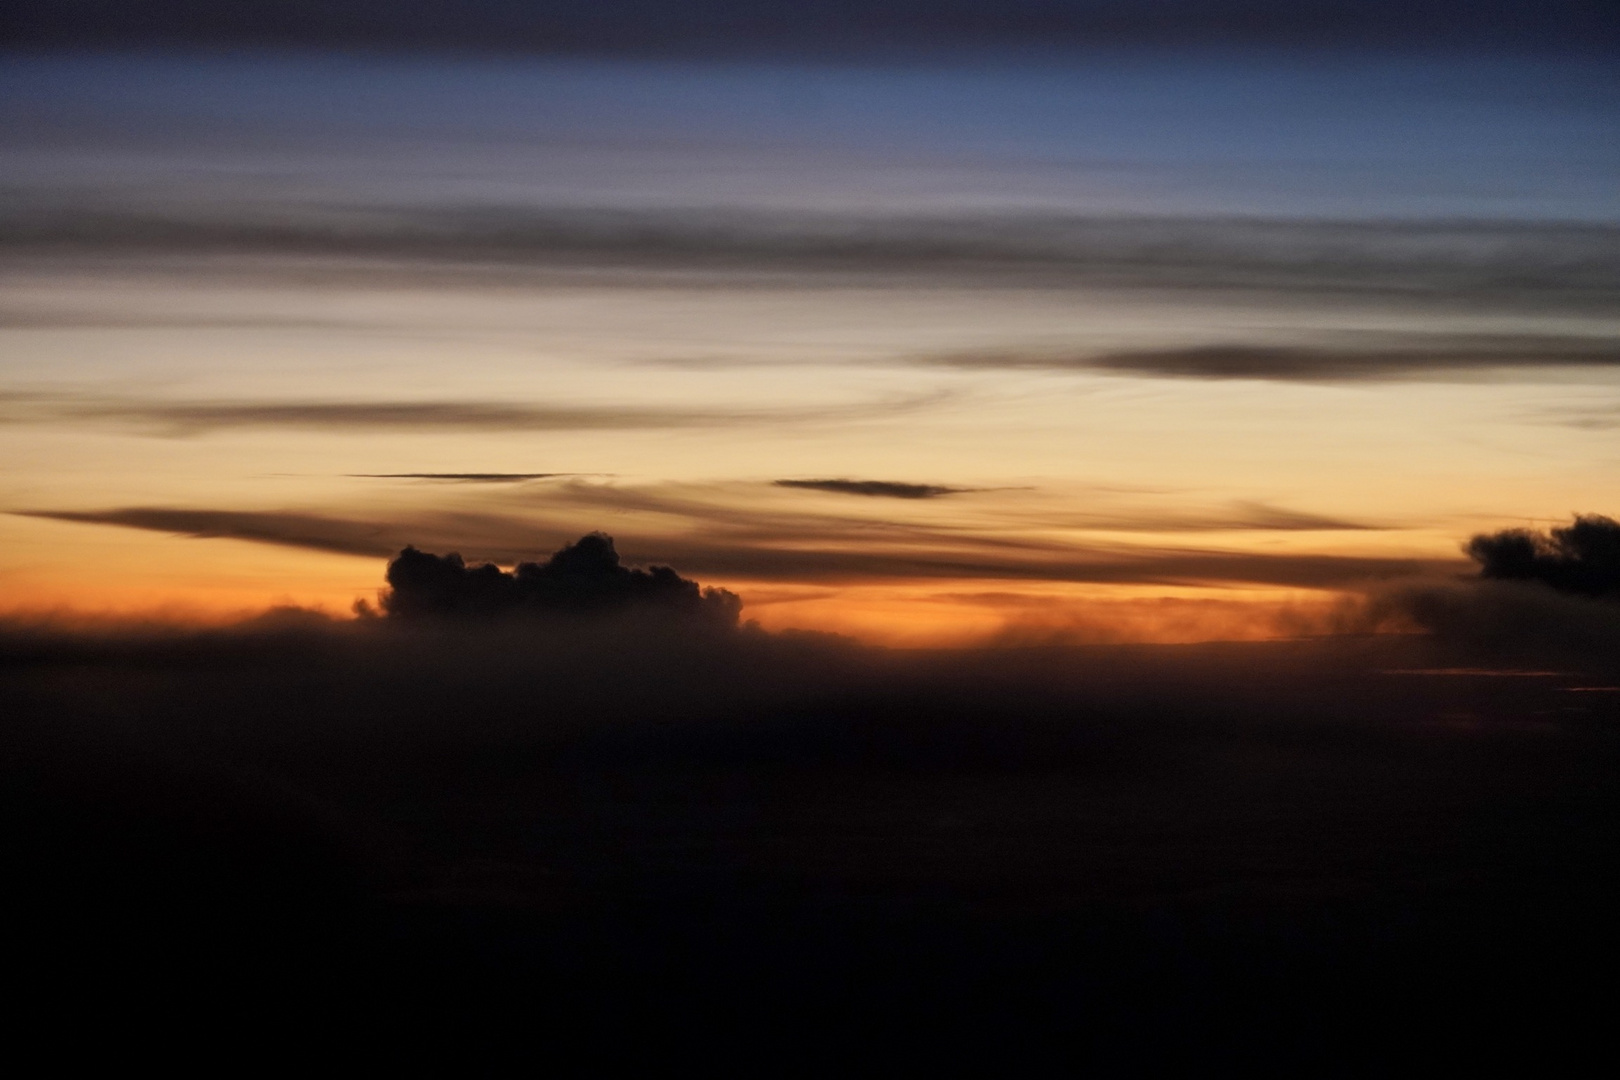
<point>810,531</point>
<point>1123,338</point>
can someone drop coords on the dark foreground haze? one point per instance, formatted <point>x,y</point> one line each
<point>636,832</point>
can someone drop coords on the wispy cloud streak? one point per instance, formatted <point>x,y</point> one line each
<point>888,489</point>
<point>1414,357</point>
<point>462,478</point>
<point>777,553</point>
<point>183,418</point>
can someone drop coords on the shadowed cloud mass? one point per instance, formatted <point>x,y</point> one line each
<point>1582,558</point>
<point>583,578</point>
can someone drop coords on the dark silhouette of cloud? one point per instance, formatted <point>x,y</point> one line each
<point>1582,558</point>
<point>582,578</point>
<point>889,489</point>
<point>1423,358</point>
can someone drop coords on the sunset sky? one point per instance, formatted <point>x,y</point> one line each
<point>799,537</point>
<point>1109,342</point>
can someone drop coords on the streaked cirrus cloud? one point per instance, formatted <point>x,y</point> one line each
<point>1366,358</point>
<point>888,489</point>
<point>178,418</point>
<point>775,547</point>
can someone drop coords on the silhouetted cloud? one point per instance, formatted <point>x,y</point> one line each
<point>1419,357</point>
<point>1581,558</point>
<point>584,577</point>
<point>891,489</point>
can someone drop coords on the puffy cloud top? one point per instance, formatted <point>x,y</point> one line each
<point>1582,557</point>
<point>584,577</point>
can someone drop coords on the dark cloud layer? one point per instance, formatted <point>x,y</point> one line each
<point>890,489</point>
<point>778,27</point>
<point>612,837</point>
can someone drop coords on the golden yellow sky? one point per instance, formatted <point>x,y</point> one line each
<point>1165,347</point>
<point>287,401</point>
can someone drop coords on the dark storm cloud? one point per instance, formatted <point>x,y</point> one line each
<point>782,548</point>
<point>782,27</point>
<point>1433,357</point>
<point>890,489</point>
<point>185,418</point>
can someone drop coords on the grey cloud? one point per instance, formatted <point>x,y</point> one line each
<point>1410,357</point>
<point>343,535</point>
<point>1563,264</point>
<point>891,489</point>
<point>462,478</point>
<point>770,526</point>
<point>1254,515</point>
<point>1587,418</point>
<point>182,418</point>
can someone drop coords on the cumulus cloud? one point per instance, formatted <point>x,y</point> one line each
<point>585,577</point>
<point>1582,558</point>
